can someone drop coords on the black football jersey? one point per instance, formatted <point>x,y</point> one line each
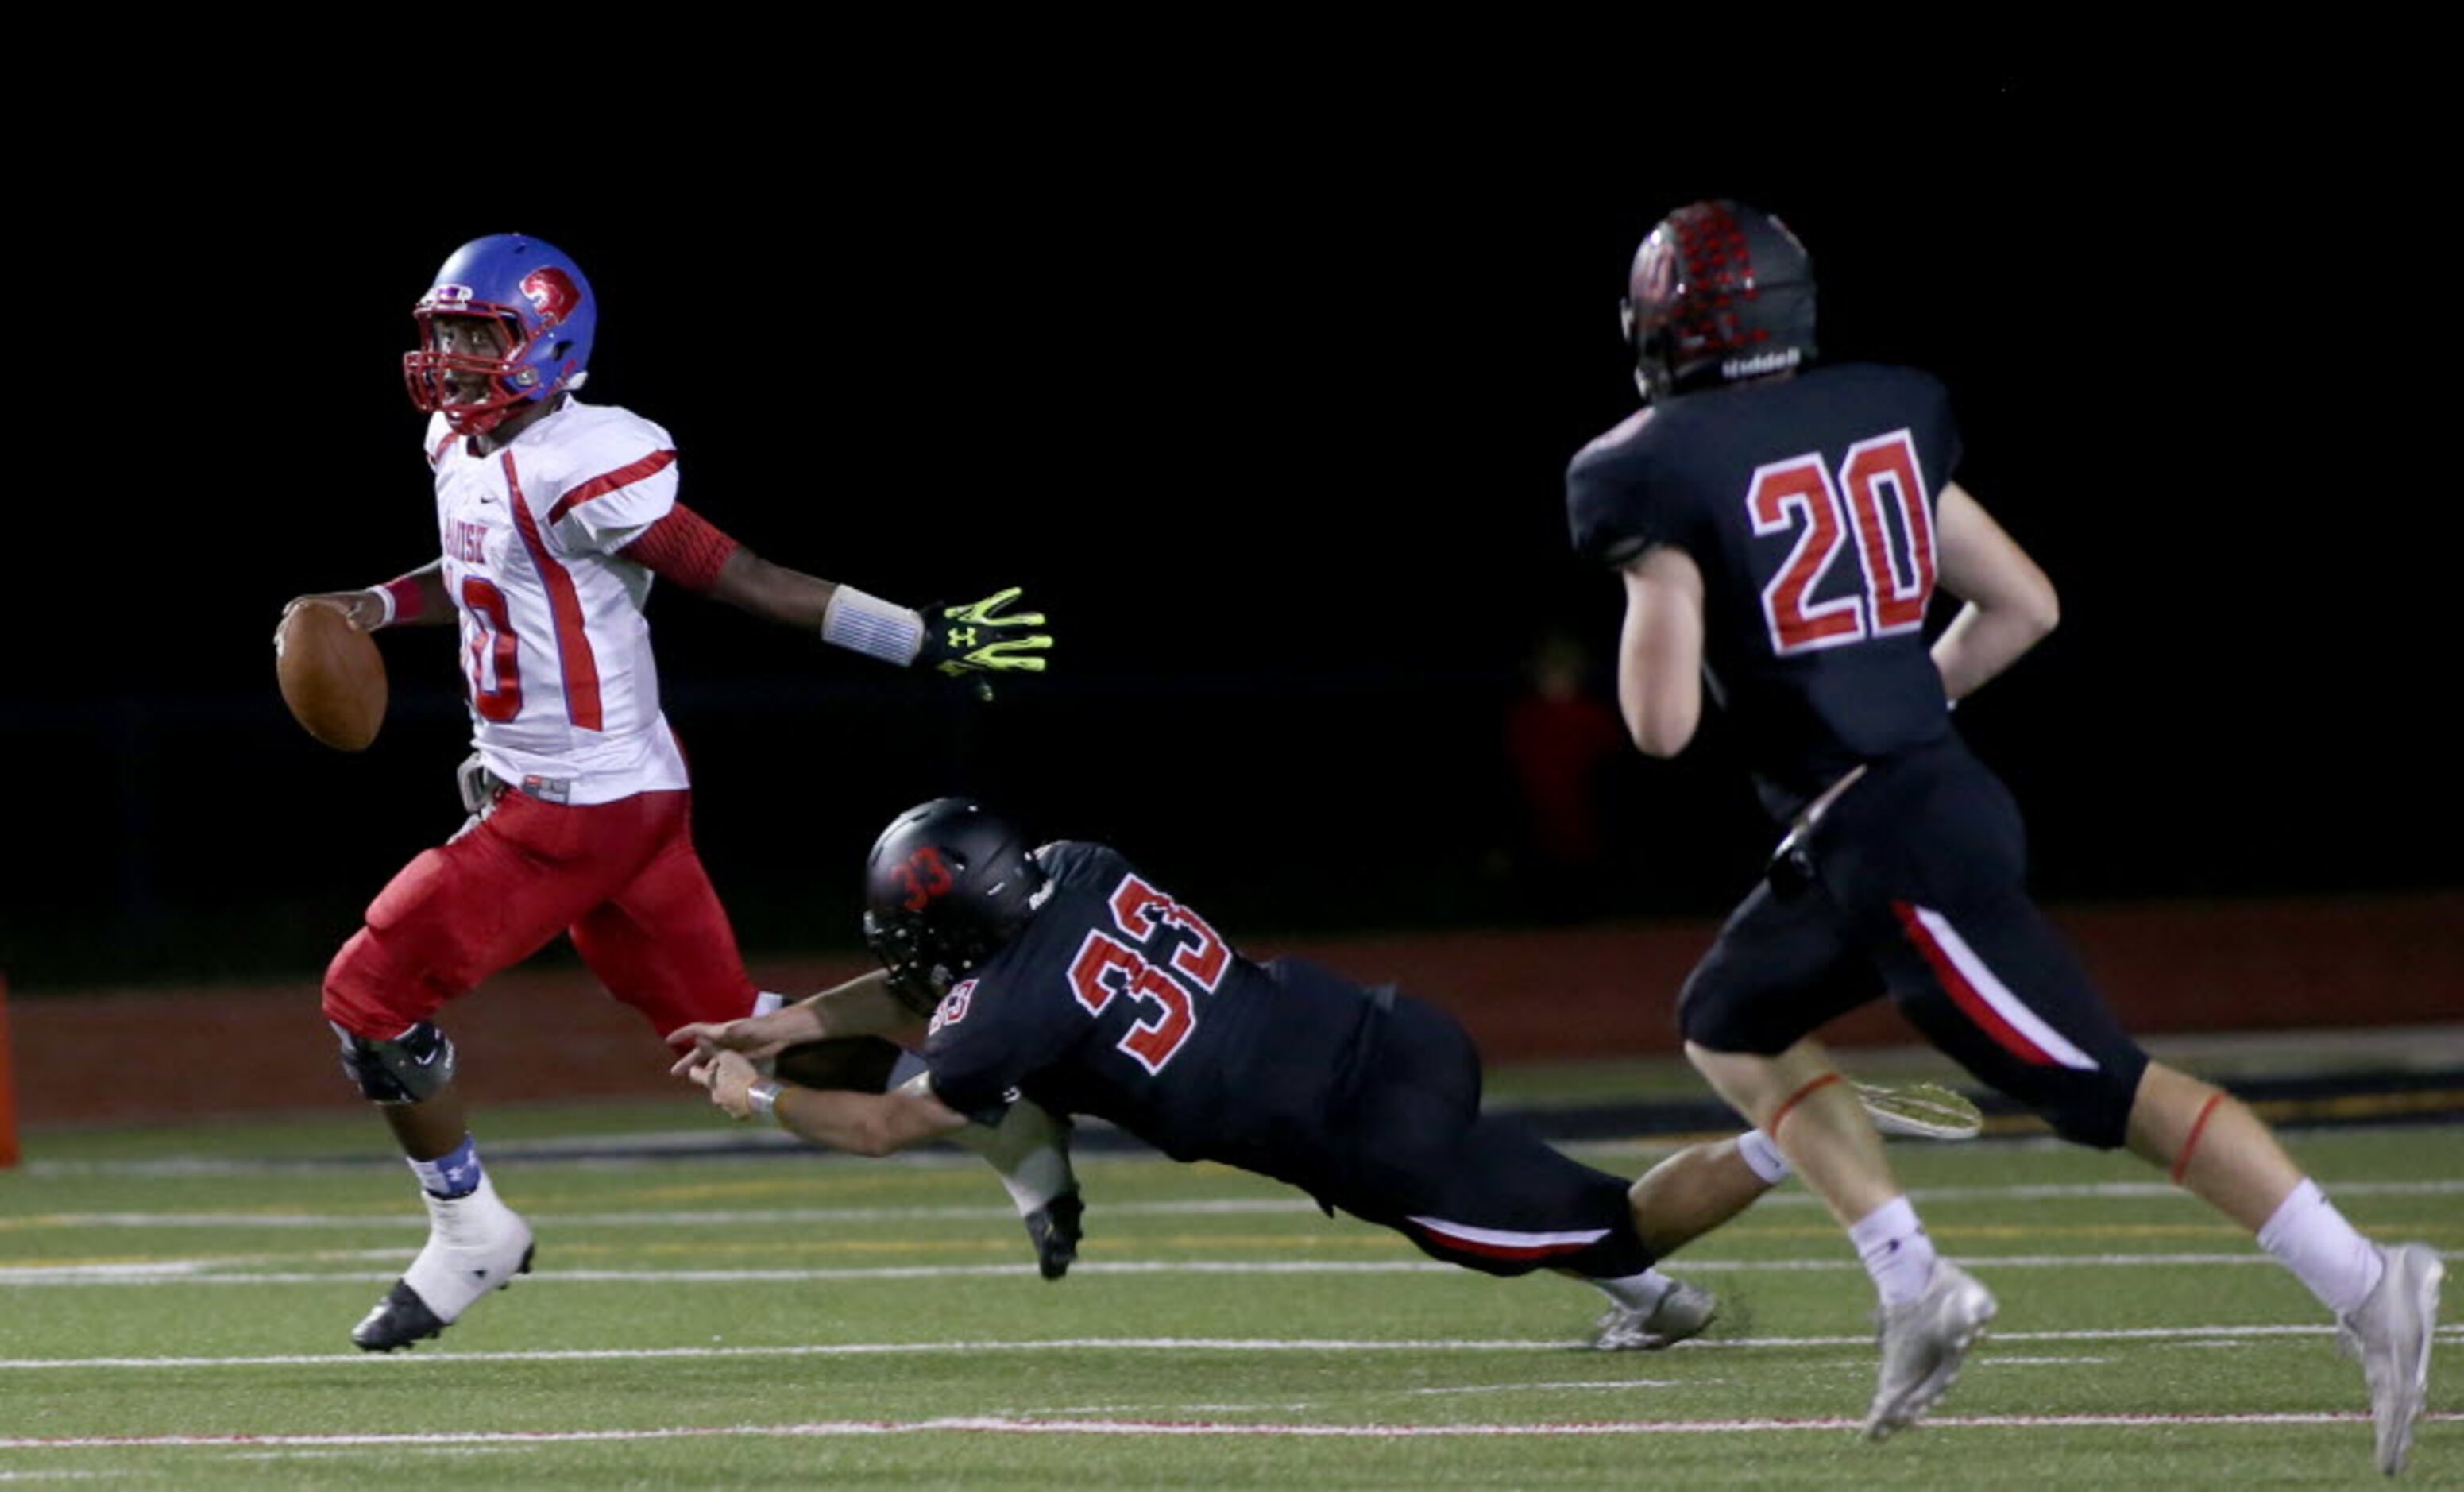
<point>1808,502</point>
<point>1117,1000</point>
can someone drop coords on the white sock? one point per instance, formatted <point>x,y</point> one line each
<point>1896,1250</point>
<point>1642,1292</point>
<point>451,1175</point>
<point>1763,1158</point>
<point>2308,1235</point>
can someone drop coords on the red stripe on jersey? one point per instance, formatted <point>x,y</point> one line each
<point>684,547</point>
<point>573,656</point>
<point>622,477</point>
<point>1965,995</point>
<point>442,446</point>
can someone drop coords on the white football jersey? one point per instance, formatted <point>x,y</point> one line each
<point>555,653</point>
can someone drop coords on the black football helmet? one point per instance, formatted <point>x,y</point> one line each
<point>949,884</point>
<point>1719,292</point>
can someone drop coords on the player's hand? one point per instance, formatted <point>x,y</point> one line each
<point>361,609</point>
<point>729,1076</point>
<point>978,639</point>
<point>755,1037</point>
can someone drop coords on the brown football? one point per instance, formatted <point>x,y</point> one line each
<point>332,677</point>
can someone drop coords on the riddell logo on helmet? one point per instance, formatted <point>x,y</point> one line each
<point>449,296</point>
<point>1761,363</point>
<point>551,293</point>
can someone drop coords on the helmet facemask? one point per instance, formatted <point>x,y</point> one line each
<point>438,379</point>
<point>542,307</point>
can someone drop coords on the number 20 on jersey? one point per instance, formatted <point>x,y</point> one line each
<point>1876,489</point>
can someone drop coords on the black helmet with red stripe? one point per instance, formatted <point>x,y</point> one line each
<point>1719,293</point>
<point>947,884</point>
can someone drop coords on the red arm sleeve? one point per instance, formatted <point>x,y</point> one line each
<point>683,547</point>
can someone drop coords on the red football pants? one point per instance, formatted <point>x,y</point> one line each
<point>622,878</point>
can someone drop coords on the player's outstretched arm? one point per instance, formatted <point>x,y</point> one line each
<point>751,583</point>
<point>753,1037</point>
<point>418,598</point>
<point>861,1124</point>
<point>862,1007</point>
<point>2010,603</point>
<point>974,639</point>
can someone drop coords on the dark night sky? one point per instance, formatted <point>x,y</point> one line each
<point>1268,402</point>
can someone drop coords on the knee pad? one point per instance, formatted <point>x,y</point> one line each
<point>408,1069</point>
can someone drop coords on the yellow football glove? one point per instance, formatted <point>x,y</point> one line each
<point>976,639</point>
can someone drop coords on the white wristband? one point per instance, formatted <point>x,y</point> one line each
<point>385,603</point>
<point>763,1098</point>
<point>872,626</point>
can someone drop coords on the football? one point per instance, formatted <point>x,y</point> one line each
<point>332,677</point>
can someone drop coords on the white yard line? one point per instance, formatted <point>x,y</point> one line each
<point>212,1271</point>
<point>390,1362</point>
<point>1192,1207</point>
<point>1175,1427</point>
<point>661,1217</point>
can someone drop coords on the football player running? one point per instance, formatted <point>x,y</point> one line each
<point>1780,527</point>
<point>555,515</point>
<point>1063,977</point>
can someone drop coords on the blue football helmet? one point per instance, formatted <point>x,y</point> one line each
<point>540,297</point>
<point>1719,293</point>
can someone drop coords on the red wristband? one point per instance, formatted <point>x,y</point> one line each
<point>410,601</point>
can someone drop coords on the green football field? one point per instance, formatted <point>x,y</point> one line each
<point>174,1308</point>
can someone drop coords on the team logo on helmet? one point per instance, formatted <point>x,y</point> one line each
<point>925,875</point>
<point>1719,292</point>
<point>551,293</point>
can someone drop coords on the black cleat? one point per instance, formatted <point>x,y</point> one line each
<point>402,1319</point>
<point>399,1320</point>
<point>1054,1229</point>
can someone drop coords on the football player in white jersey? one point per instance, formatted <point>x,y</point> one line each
<point>554,517</point>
